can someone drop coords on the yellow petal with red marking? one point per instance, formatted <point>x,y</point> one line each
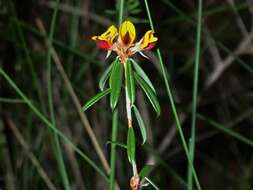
<point>127,32</point>
<point>106,40</point>
<point>148,41</point>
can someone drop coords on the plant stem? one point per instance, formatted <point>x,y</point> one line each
<point>195,94</point>
<point>114,126</point>
<point>129,119</point>
<point>128,108</point>
<point>113,149</point>
<point>55,139</point>
<point>135,171</point>
<point>121,11</point>
<point>173,107</point>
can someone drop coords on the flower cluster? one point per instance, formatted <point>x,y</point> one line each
<point>122,41</point>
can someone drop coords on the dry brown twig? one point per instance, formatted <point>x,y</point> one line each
<point>69,151</point>
<point>30,155</point>
<point>244,47</point>
<point>76,102</point>
<point>219,67</point>
<point>75,168</point>
<point>239,20</point>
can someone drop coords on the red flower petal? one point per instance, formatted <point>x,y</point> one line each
<point>102,44</point>
<point>150,46</point>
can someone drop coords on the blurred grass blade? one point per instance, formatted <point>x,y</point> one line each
<point>172,102</point>
<point>142,74</point>
<point>95,99</point>
<point>11,100</point>
<point>117,143</point>
<point>116,82</point>
<point>146,170</point>
<point>152,183</point>
<point>55,139</point>
<point>104,77</point>
<point>149,92</point>
<point>141,124</point>
<point>165,167</point>
<point>195,94</point>
<point>49,124</point>
<point>130,84</point>
<point>227,130</point>
<point>131,145</point>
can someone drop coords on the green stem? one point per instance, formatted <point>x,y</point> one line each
<point>135,171</point>
<point>55,139</point>
<point>114,124</point>
<point>113,149</point>
<point>128,108</point>
<point>121,11</point>
<point>129,117</point>
<point>169,92</point>
<point>11,100</point>
<point>195,93</point>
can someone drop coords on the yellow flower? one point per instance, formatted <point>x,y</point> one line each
<point>127,32</point>
<point>148,41</point>
<point>123,42</point>
<point>106,40</point>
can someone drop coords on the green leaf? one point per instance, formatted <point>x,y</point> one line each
<point>152,183</point>
<point>130,81</point>
<point>104,77</point>
<point>95,98</point>
<point>146,170</point>
<point>113,65</point>
<point>149,92</point>
<point>117,143</point>
<point>142,74</point>
<point>131,145</point>
<point>141,124</point>
<point>115,82</point>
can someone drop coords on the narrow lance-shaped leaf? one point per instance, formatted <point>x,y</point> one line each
<point>146,170</point>
<point>141,124</point>
<point>95,98</point>
<point>149,92</point>
<point>115,82</point>
<point>113,65</point>
<point>117,143</point>
<point>142,74</point>
<point>104,77</point>
<point>131,145</point>
<point>129,76</point>
<point>152,183</point>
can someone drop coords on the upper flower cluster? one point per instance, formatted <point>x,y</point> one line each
<point>122,41</point>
